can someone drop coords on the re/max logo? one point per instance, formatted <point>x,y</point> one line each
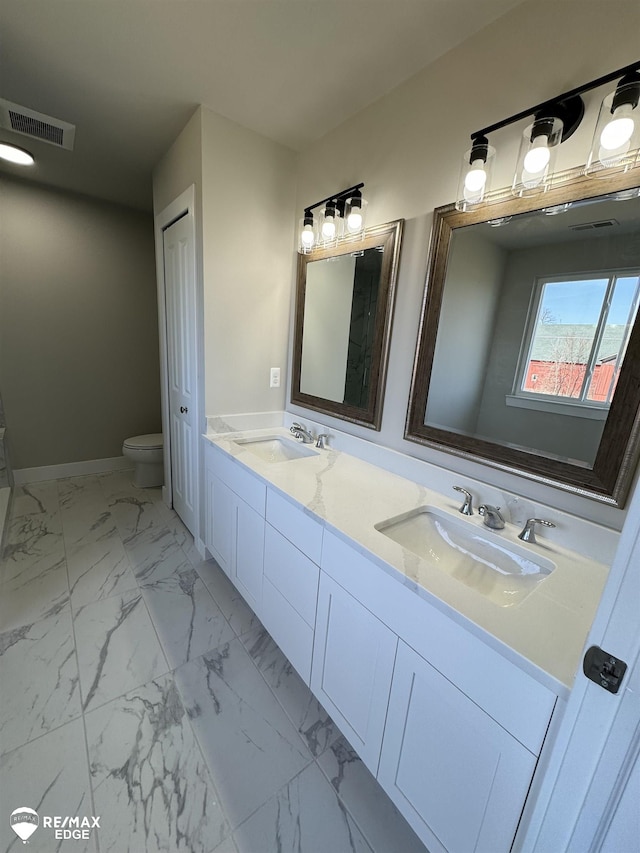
<point>67,828</point>
<point>71,822</point>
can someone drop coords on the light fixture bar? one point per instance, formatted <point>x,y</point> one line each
<point>341,196</point>
<point>545,105</point>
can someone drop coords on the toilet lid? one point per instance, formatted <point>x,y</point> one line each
<point>153,441</point>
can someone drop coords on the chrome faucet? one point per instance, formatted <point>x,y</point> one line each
<point>467,506</point>
<point>527,533</point>
<point>492,516</point>
<point>321,440</point>
<point>301,434</point>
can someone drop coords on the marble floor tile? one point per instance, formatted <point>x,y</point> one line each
<point>81,496</point>
<point>147,768</point>
<point>250,744</point>
<point>173,521</point>
<point>39,678</point>
<point>98,568</point>
<point>134,510</point>
<point>118,649</point>
<point>35,499</point>
<point>378,818</point>
<point>227,846</point>
<point>305,816</point>
<point>32,541</point>
<point>40,590</point>
<point>154,554</point>
<point>314,725</point>
<point>237,612</point>
<point>187,619</point>
<point>51,776</point>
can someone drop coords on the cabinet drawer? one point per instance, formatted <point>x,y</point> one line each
<point>296,525</point>
<point>292,574</point>
<point>288,629</point>
<point>246,485</point>
<point>513,698</point>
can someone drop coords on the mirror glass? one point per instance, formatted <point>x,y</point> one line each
<point>527,347</point>
<point>343,320</point>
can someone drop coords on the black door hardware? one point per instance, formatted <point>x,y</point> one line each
<point>604,669</point>
<point>184,410</point>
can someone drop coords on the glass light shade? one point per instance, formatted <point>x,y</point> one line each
<point>616,139</point>
<point>330,226</point>
<point>307,235</point>
<point>475,178</point>
<point>355,215</point>
<point>16,155</point>
<point>537,156</point>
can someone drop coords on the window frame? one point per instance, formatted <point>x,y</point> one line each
<point>573,406</point>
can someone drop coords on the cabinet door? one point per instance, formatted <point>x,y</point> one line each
<point>248,553</point>
<point>458,777</point>
<point>353,656</point>
<point>220,503</point>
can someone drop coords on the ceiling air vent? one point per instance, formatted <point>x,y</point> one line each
<point>590,226</point>
<point>36,125</point>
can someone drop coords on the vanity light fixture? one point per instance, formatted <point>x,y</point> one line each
<point>307,233</point>
<point>342,217</point>
<point>475,175</point>
<point>616,144</point>
<point>616,139</point>
<point>14,154</point>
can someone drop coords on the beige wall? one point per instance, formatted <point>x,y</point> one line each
<point>407,148</point>
<point>245,209</point>
<point>248,210</point>
<point>79,365</point>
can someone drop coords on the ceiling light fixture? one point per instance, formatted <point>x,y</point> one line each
<point>342,217</point>
<point>616,141</point>
<point>14,154</point>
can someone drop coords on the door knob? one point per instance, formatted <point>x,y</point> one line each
<point>184,410</point>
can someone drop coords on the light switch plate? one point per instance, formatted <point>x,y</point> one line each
<point>274,381</point>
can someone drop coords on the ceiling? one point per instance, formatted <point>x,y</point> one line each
<point>129,73</point>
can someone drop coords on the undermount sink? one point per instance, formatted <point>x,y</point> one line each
<point>502,571</point>
<point>275,448</point>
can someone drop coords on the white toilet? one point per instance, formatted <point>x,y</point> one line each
<point>146,452</point>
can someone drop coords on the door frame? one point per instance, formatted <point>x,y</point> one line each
<point>581,785</point>
<point>183,205</point>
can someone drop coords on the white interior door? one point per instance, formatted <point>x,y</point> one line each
<point>593,777</point>
<point>180,292</point>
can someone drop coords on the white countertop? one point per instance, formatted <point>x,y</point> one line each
<point>544,634</point>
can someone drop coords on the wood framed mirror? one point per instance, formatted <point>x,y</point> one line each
<point>528,355</point>
<point>344,311</point>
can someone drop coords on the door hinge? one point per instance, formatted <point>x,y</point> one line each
<point>604,669</point>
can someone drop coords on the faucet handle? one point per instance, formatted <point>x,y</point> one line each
<point>321,440</point>
<point>527,534</point>
<point>492,516</point>
<point>294,426</point>
<point>467,506</point>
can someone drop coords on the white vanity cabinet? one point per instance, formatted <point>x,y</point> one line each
<point>218,521</point>
<point>458,777</point>
<point>463,726</point>
<point>353,659</point>
<point>235,525</point>
<point>293,542</point>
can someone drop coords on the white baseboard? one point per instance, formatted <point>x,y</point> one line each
<point>70,469</point>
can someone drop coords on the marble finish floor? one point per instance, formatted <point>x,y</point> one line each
<point>136,686</point>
